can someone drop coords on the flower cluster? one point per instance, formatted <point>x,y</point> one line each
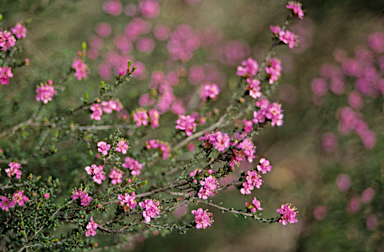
<point>182,43</point>
<point>209,91</point>
<point>264,166</point>
<point>209,186</point>
<point>285,36</point>
<point>163,146</point>
<point>133,165</point>
<point>103,147</point>
<point>106,107</point>
<point>288,214</point>
<point>253,180</point>
<point>14,169</point>
<point>296,8</point>
<point>18,199</point>
<point>219,140</point>
<point>272,112</point>
<point>203,218</point>
<point>81,69</point>
<point>256,204</point>
<point>248,69</point>
<point>82,195</point>
<point>273,69</point>
<point>116,176</point>
<point>20,31</point>
<point>91,228</point>
<point>122,146</point>
<point>154,115</point>
<point>186,123</point>
<point>45,92</point>
<point>151,209</point>
<point>140,116</point>
<point>7,40</point>
<point>5,74</point>
<point>128,201</point>
<point>97,172</point>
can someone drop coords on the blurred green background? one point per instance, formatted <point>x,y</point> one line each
<point>303,174</point>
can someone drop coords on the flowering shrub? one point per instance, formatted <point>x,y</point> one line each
<point>102,197</point>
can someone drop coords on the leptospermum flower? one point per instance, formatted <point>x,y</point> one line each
<point>273,69</point>
<point>97,172</point>
<point>5,203</point>
<point>7,40</point>
<point>151,209</point>
<point>122,146</point>
<point>209,186</point>
<point>288,214</point>
<point>45,92</point>
<point>133,165</point>
<point>91,228</point>
<point>264,166</point>
<point>19,198</point>
<point>5,74</point>
<point>81,69</point>
<point>116,176</point>
<point>140,116</point>
<point>186,123</point>
<point>14,169</point>
<point>256,204</point>
<point>20,31</point>
<point>82,195</point>
<point>128,201</point>
<point>209,91</point>
<point>103,147</point>
<point>296,8</point>
<point>248,68</point>
<point>97,112</point>
<point>203,218</point>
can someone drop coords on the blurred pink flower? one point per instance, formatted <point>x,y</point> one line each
<point>320,212</point>
<point>113,7</point>
<point>343,182</point>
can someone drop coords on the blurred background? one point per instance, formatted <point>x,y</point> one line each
<point>333,177</point>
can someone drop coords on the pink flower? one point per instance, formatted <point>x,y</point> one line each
<point>116,176</point>
<point>46,195</point>
<point>249,149</point>
<point>319,86</point>
<point>128,201</point>
<point>209,183</point>
<point>154,115</point>
<point>14,169</point>
<point>103,147</point>
<point>83,196</point>
<point>45,92</point>
<point>97,112</point>
<point>264,166</point>
<point>149,8</point>
<point>248,68</point>
<point>256,204</point>
<point>371,222</point>
<point>320,212</point>
<point>103,29</point>
<point>19,198</point>
<point>254,179</point>
<point>247,125</point>
<point>209,90</point>
<point>354,204</point>
<point>97,172</point>
<point>288,214</point>
<point>289,38</point>
<point>161,32</point>
<point>5,74</point>
<point>19,31</point>
<point>247,188</point>
<point>145,45</point>
<point>151,209</point>
<point>91,228</point>
<point>367,195</point>
<point>5,203</point>
<point>343,182</point>
<point>140,116</point>
<point>273,70</point>
<point>182,43</point>
<point>137,27</point>
<point>275,114</point>
<point>113,7</point>
<point>80,69</point>
<point>7,40</point>
<point>275,29</point>
<point>133,165</point>
<point>253,87</point>
<point>203,218</point>
<point>122,146</point>
<point>296,8</point>
<point>186,123</point>
<point>220,141</point>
